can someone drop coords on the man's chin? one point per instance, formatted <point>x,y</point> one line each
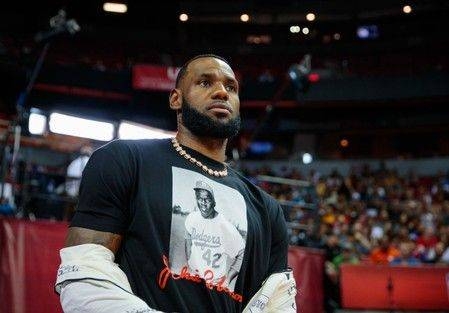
<point>210,124</point>
<point>222,118</point>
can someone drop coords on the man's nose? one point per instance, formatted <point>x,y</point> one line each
<point>220,93</point>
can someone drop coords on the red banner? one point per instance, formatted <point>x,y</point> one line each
<point>29,259</point>
<point>307,265</point>
<point>395,288</point>
<point>154,77</point>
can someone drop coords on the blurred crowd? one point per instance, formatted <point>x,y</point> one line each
<point>369,216</point>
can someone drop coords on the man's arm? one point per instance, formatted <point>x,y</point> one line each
<point>78,236</point>
<point>88,278</point>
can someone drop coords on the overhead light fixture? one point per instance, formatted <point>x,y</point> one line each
<point>80,127</point>
<point>305,30</point>
<point>344,142</point>
<point>295,29</point>
<point>115,7</point>
<point>37,123</point>
<point>183,17</point>
<point>307,158</point>
<point>337,36</point>
<point>407,9</point>
<point>368,32</point>
<point>258,39</point>
<point>244,18</point>
<point>310,17</point>
<point>130,130</point>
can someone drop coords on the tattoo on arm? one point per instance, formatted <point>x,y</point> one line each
<point>79,236</point>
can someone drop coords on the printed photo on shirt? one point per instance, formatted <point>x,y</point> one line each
<point>208,229</point>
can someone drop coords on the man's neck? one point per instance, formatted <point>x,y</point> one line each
<point>213,148</point>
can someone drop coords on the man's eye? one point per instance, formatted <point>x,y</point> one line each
<point>204,83</point>
<point>231,88</point>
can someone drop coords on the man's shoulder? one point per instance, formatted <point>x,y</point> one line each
<point>123,145</point>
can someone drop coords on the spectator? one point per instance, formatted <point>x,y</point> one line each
<point>5,207</point>
<point>425,245</point>
<point>384,253</point>
<point>406,256</point>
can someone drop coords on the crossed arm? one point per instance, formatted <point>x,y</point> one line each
<point>78,236</point>
<point>98,285</point>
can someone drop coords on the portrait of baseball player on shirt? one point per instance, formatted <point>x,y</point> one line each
<point>209,229</point>
<point>212,242</point>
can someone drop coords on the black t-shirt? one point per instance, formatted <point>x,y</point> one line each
<point>175,259</point>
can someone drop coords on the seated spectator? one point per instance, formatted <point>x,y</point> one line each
<point>5,207</point>
<point>347,256</point>
<point>384,253</point>
<point>425,245</point>
<point>331,247</point>
<point>406,256</point>
<point>442,252</point>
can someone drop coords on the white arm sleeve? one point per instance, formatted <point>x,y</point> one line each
<point>89,296</point>
<point>277,295</point>
<point>88,280</point>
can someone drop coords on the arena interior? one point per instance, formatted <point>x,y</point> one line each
<point>345,108</point>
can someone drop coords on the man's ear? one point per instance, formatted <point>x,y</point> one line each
<point>175,99</point>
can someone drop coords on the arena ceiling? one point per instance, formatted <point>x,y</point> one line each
<point>154,27</point>
<point>216,25</point>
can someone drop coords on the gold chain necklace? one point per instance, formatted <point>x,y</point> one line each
<point>187,156</point>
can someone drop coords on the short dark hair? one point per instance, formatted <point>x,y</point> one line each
<point>182,72</point>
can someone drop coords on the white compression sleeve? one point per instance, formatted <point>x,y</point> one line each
<point>89,281</point>
<point>277,295</point>
<point>91,296</point>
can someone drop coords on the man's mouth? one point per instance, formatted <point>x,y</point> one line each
<point>220,108</point>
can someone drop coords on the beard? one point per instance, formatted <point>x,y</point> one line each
<point>202,125</point>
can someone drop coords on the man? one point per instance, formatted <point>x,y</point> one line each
<point>125,213</point>
<point>212,242</point>
<point>75,170</point>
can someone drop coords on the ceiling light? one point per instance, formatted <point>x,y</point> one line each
<point>183,17</point>
<point>307,158</point>
<point>310,17</point>
<point>130,130</point>
<point>244,17</point>
<point>81,127</point>
<point>337,36</point>
<point>295,29</point>
<point>37,123</point>
<point>407,9</point>
<point>305,31</point>
<point>344,142</point>
<point>115,7</point>
<point>258,39</point>
<point>368,32</point>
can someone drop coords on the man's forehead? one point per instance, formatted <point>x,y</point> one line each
<point>209,65</point>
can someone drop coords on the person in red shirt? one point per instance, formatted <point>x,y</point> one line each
<point>384,253</point>
<point>428,239</point>
<point>425,245</point>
